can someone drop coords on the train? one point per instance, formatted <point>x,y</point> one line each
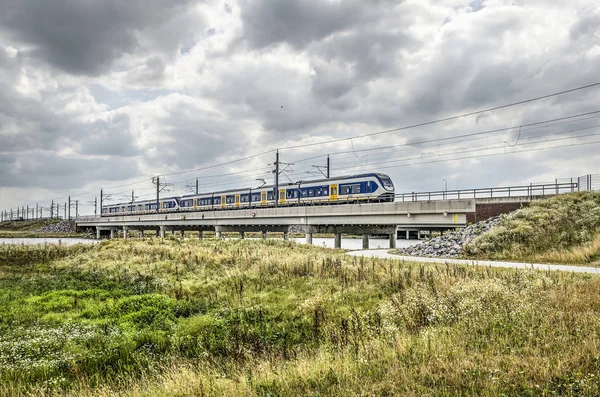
<point>371,187</point>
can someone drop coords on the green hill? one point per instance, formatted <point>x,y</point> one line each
<point>561,229</point>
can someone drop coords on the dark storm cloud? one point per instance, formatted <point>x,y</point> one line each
<point>300,22</point>
<point>84,36</point>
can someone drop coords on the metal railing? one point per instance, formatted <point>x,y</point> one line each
<point>531,190</point>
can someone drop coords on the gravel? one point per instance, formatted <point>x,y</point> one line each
<point>59,227</point>
<point>451,244</point>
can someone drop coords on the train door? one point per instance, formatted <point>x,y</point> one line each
<point>334,192</point>
<point>237,200</point>
<point>263,198</point>
<point>223,202</point>
<point>282,196</point>
<point>196,203</point>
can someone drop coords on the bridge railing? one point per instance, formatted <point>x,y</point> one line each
<point>531,190</point>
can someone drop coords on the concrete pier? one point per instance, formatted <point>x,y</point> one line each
<point>201,235</point>
<point>98,233</point>
<point>219,235</point>
<point>242,235</point>
<point>182,234</point>
<point>142,233</point>
<point>264,234</point>
<point>337,241</point>
<point>392,241</point>
<point>309,238</point>
<point>112,233</point>
<point>365,241</point>
<point>162,232</point>
<point>125,232</point>
<point>286,236</point>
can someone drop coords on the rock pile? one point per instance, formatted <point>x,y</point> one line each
<point>59,227</point>
<point>450,244</point>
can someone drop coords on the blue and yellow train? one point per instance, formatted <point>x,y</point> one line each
<point>355,188</point>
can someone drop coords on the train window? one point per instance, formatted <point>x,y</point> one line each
<point>311,192</point>
<point>269,196</point>
<point>355,189</point>
<point>229,199</point>
<point>217,200</point>
<point>304,192</point>
<point>345,190</point>
<point>244,198</point>
<point>256,197</point>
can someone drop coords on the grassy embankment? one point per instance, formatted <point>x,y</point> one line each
<point>271,318</point>
<point>562,229</point>
<point>25,229</point>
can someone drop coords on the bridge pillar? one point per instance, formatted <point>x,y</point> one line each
<point>112,233</point>
<point>219,234</point>
<point>408,235</point>
<point>157,233</point>
<point>200,235</point>
<point>98,234</point>
<point>264,234</point>
<point>365,242</point>
<point>173,232</point>
<point>242,235</point>
<point>162,232</point>
<point>142,233</point>
<point>182,234</point>
<point>337,240</point>
<point>286,236</point>
<point>309,237</point>
<point>125,232</point>
<point>393,241</point>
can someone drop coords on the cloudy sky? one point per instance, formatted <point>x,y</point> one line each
<point>107,93</point>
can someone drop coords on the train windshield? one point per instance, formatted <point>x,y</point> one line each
<point>387,182</point>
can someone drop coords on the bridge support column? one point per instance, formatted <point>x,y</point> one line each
<point>242,235</point>
<point>365,242</point>
<point>112,233</point>
<point>408,235</point>
<point>157,233</point>
<point>337,240</point>
<point>200,235</point>
<point>286,236</point>
<point>98,234</point>
<point>309,237</point>
<point>219,235</point>
<point>393,240</point>
<point>125,232</point>
<point>173,232</point>
<point>264,234</point>
<point>141,233</point>
<point>182,234</point>
<point>162,232</point>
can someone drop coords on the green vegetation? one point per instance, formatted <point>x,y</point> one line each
<point>25,229</point>
<point>561,229</point>
<point>269,318</point>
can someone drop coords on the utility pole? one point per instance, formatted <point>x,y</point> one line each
<point>69,211</point>
<point>156,181</point>
<point>95,206</point>
<point>27,213</point>
<point>100,203</point>
<point>196,185</point>
<point>328,166</point>
<point>37,211</point>
<point>276,186</point>
<point>18,212</point>
<point>76,209</point>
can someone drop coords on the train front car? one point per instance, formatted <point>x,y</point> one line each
<point>388,192</point>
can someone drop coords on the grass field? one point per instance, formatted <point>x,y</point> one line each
<point>562,229</point>
<point>269,318</point>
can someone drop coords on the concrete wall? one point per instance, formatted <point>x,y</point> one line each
<point>488,210</point>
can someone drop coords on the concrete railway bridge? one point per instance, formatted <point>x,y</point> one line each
<point>357,219</point>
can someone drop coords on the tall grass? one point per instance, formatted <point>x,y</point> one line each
<point>152,318</point>
<point>562,229</point>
